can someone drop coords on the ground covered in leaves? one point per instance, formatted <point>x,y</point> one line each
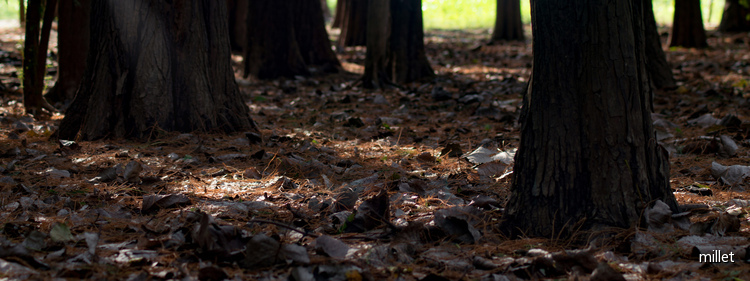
<point>350,184</point>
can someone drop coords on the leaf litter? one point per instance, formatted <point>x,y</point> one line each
<point>347,184</point>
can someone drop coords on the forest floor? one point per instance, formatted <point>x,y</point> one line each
<point>351,184</point>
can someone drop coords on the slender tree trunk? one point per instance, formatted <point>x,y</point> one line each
<point>338,18</point>
<point>22,12</point>
<point>35,55</point>
<point>72,48</point>
<point>272,52</point>
<point>587,156</point>
<point>378,30</point>
<point>326,10</point>
<point>408,61</point>
<point>354,27</point>
<point>656,60</point>
<point>687,27</point>
<point>312,37</point>
<point>156,65</point>
<point>736,18</point>
<point>508,24</point>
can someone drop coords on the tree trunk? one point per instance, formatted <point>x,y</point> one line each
<point>35,55</point>
<point>656,60</point>
<point>736,18</point>
<point>338,18</point>
<point>156,65</point>
<point>272,52</point>
<point>587,156</point>
<point>408,61</point>
<point>22,12</point>
<point>508,25</point>
<point>312,37</point>
<point>238,23</point>
<point>354,27</point>
<point>378,30</point>
<point>72,48</point>
<point>32,92</point>
<point>326,11</point>
<point>687,27</point>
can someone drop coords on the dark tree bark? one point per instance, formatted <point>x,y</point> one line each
<point>735,17</point>
<point>22,12</point>
<point>338,18</point>
<point>587,156</point>
<point>354,26</point>
<point>297,43</point>
<point>156,65</point>
<point>687,27</point>
<point>312,37</point>
<point>408,61</point>
<point>72,48</point>
<point>35,54</point>
<point>395,44</point>
<point>272,52</point>
<point>378,30</point>
<point>508,25</point>
<point>238,23</point>
<point>656,60</point>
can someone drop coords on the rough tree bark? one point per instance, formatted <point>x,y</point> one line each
<point>72,48</point>
<point>312,37</point>
<point>354,26</point>
<point>378,30</point>
<point>156,65</point>
<point>395,44</point>
<point>587,156</point>
<point>687,27</point>
<point>735,17</point>
<point>508,25</point>
<point>656,59</point>
<point>272,52</point>
<point>297,44</point>
<point>407,61</point>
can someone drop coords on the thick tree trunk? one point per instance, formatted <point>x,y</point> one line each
<point>687,27</point>
<point>338,18</point>
<point>378,30</point>
<point>735,17</point>
<point>508,25</point>
<point>72,48</point>
<point>238,23</point>
<point>156,65</point>
<point>312,37</point>
<point>272,52</point>
<point>354,27</point>
<point>587,156</point>
<point>656,60</point>
<point>408,61</point>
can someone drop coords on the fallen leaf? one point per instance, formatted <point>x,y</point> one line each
<point>155,202</point>
<point>330,246</point>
